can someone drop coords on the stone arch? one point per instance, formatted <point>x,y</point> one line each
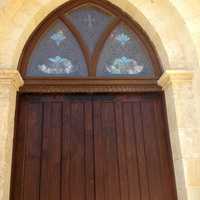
<point>170,26</point>
<point>175,48</point>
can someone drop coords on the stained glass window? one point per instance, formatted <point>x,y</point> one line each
<point>61,50</point>
<point>57,53</point>
<point>91,22</point>
<point>124,55</point>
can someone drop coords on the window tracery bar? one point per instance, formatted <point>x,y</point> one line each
<point>89,40</point>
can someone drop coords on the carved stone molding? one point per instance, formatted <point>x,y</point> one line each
<point>175,76</point>
<point>11,77</point>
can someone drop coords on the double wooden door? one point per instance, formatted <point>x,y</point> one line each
<point>92,147</point>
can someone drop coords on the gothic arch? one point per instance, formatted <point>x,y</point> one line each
<point>139,68</point>
<point>165,24</point>
<point>175,48</point>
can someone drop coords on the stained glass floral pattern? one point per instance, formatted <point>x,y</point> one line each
<point>122,38</point>
<point>124,55</point>
<point>58,65</point>
<point>124,66</point>
<point>58,37</point>
<point>57,53</point>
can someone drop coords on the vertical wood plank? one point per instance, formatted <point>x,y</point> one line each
<point>112,185</point>
<point>77,168</point>
<point>121,142</point>
<point>78,151</point>
<point>131,152</point>
<point>33,150</point>
<point>168,184</point>
<point>51,154</point>
<point>20,148</point>
<point>100,161</point>
<point>151,150</point>
<point>142,164</point>
<point>89,152</point>
<point>66,148</point>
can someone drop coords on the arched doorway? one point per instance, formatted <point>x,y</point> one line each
<point>91,117</point>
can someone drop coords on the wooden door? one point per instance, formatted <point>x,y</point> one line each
<point>92,147</point>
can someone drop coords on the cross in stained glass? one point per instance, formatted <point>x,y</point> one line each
<point>90,20</point>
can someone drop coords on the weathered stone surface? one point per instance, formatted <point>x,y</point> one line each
<point>174,28</point>
<point>10,81</point>
<point>184,130</point>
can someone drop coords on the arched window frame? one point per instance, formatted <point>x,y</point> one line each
<point>91,83</point>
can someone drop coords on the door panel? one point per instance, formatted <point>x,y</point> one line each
<point>51,152</point>
<point>106,154</point>
<point>92,147</point>
<point>152,151</point>
<point>31,173</point>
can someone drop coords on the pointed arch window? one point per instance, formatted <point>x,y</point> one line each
<point>57,53</point>
<point>124,55</point>
<point>89,39</point>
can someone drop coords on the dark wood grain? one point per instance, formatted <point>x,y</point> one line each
<point>122,156</point>
<point>164,152</point>
<point>141,158</point>
<point>51,154</point>
<point>77,172</point>
<point>152,151</point>
<point>33,152</point>
<point>19,151</point>
<point>99,150</point>
<point>66,148</point>
<point>111,164</point>
<point>92,147</point>
<point>89,152</point>
<point>131,151</point>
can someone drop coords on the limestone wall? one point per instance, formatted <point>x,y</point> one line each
<point>174,28</point>
<point>10,81</point>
